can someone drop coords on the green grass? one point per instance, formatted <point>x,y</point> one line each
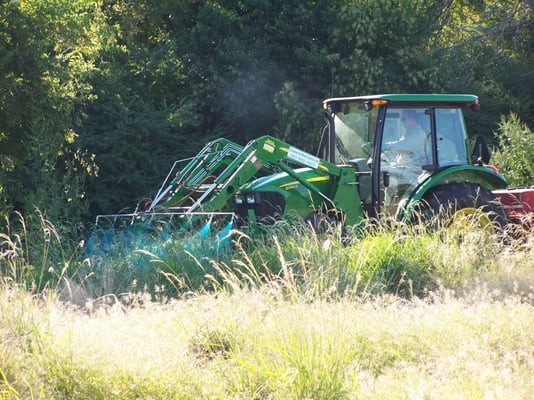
<point>397,313</point>
<point>389,257</point>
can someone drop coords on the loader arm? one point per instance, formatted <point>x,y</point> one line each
<point>265,153</point>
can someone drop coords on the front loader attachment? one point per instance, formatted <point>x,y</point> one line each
<point>195,193</point>
<point>193,199</point>
<point>163,254</point>
<point>175,216</point>
<point>200,234</point>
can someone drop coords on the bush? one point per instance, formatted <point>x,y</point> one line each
<point>515,155</point>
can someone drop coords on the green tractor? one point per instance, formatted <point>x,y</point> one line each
<point>403,156</point>
<point>386,156</point>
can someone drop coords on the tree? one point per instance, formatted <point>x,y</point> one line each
<point>486,48</point>
<point>144,115</point>
<point>515,154</point>
<point>46,48</point>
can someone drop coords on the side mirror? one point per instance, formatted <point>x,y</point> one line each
<point>481,152</point>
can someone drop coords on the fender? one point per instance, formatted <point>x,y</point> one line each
<point>482,175</point>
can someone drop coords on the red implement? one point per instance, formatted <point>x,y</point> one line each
<point>518,203</point>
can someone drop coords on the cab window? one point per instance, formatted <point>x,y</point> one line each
<point>450,135</point>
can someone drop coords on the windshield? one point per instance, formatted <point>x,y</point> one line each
<point>354,130</point>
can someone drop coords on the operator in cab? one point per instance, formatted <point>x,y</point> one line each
<point>410,149</point>
<point>405,152</point>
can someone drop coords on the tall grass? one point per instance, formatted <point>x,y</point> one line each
<point>255,345</point>
<point>36,256</point>
<point>398,312</point>
<point>387,257</point>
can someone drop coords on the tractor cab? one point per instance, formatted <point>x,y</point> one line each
<point>396,142</point>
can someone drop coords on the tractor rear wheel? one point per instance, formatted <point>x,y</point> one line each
<point>459,204</point>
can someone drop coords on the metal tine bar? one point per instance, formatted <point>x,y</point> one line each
<point>168,213</point>
<point>199,167</point>
<point>161,192</point>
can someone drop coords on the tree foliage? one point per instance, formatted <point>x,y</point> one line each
<point>47,46</point>
<point>99,97</point>
<point>488,49</point>
<point>515,154</point>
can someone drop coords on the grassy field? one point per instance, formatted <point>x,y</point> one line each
<point>395,314</point>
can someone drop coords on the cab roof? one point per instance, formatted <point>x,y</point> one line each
<point>415,99</point>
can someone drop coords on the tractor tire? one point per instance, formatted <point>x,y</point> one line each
<point>445,205</point>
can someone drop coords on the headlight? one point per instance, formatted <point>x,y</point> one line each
<point>238,199</point>
<point>250,198</point>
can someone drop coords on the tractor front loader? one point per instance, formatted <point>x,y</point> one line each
<point>403,156</point>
